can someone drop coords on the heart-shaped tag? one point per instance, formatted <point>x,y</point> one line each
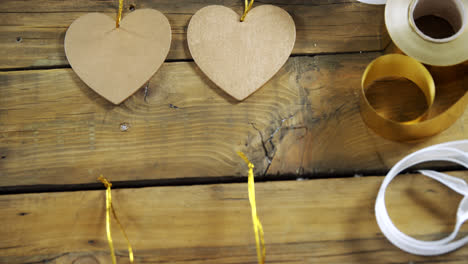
<point>237,56</point>
<point>116,62</point>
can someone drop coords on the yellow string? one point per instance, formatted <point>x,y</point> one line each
<point>110,208</point>
<point>247,6</point>
<point>257,225</point>
<point>119,14</point>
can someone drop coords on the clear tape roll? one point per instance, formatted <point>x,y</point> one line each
<point>450,49</point>
<point>456,152</point>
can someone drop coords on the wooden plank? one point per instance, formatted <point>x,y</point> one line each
<point>55,130</point>
<point>336,141</point>
<point>319,221</point>
<point>32,32</point>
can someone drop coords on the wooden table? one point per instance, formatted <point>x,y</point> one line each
<point>179,187</point>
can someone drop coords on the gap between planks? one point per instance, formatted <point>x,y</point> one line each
<point>50,188</point>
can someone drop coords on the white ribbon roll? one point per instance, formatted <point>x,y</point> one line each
<point>456,152</point>
<point>374,2</point>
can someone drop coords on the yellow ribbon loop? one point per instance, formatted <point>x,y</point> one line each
<point>119,14</point>
<point>110,208</point>
<point>248,5</point>
<point>257,225</point>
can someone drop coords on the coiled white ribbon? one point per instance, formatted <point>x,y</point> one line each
<point>456,152</point>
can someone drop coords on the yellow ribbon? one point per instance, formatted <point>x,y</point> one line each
<point>119,14</point>
<point>247,6</point>
<point>257,225</point>
<point>398,65</point>
<point>110,208</point>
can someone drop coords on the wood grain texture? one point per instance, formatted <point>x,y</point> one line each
<point>55,130</point>
<point>319,221</point>
<point>32,32</point>
<point>336,141</point>
<point>184,127</point>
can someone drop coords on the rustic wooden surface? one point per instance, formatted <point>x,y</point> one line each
<point>319,221</point>
<point>55,130</point>
<point>33,31</point>
<point>56,134</point>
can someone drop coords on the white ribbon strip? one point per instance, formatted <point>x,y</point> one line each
<point>374,2</point>
<point>456,152</point>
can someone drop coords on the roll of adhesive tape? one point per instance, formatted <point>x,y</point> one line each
<point>455,151</point>
<point>373,2</point>
<point>400,17</point>
<point>397,65</point>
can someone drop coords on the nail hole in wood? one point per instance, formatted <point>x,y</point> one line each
<point>132,8</point>
<point>124,127</point>
<point>19,39</point>
<point>3,157</point>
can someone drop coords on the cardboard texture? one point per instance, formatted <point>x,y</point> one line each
<point>237,56</point>
<point>116,62</point>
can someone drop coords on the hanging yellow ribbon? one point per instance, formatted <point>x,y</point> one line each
<point>247,6</point>
<point>257,225</point>
<point>110,208</point>
<point>119,14</point>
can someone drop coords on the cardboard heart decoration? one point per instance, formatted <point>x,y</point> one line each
<point>116,62</point>
<point>237,56</point>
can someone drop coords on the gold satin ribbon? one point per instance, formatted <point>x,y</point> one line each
<point>257,225</point>
<point>119,14</point>
<point>247,6</point>
<point>398,65</point>
<point>110,208</point>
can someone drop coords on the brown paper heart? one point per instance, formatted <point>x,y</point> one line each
<point>237,56</point>
<point>116,62</point>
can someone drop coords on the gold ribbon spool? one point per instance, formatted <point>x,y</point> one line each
<point>397,65</point>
